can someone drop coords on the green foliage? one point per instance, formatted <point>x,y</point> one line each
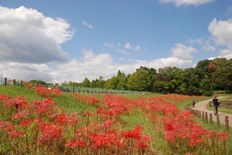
<point>142,79</point>
<point>40,82</point>
<point>85,83</point>
<point>206,77</point>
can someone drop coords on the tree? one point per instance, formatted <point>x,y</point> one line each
<point>111,83</point>
<point>98,83</point>
<point>122,81</point>
<point>85,83</point>
<point>142,79</point>
<point>189,83</point>
<point>222,77</point>
<point>167,80</point>
<point>40,82</point>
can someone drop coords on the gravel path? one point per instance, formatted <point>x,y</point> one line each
<point>201,106</point>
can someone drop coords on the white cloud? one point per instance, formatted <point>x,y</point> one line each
<point>182,52</point>
<point>30,49</point>
<point>206,44</point>
<point>128,46</point>
<point>221,32</point>
<point>86,24</point>
<point>25,72</point>
<point>186,2</point>
<point>92,66</point>
<point>28,36</point>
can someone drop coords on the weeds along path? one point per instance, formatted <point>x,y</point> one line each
<point>201,106</point>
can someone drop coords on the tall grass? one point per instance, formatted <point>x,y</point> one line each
<point>129,120</point>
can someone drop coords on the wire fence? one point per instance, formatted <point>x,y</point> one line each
<point>74,89</point>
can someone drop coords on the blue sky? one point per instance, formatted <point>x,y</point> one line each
<point>60,40</point>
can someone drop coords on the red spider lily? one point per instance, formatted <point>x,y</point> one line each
<point>44,105</point>
<point>24,123</point>
<point>76,143</point>
<point>7,126</point>
<point>104,139</point>
<point>168,127</point>
<point>27,84</point>
<point>21,114</point>
<point>10,130</point>
<point>111,100</point>
<point>176,97</point>
<point>159,104</point>
<point>4,97</point>
<point>50,132</point>
<point>38,121</point>
<point>182,128</point>
<point>80,133</point>
<point>107,124</point>
<point>134,133</point>
<point>92,100</point>
<point>66,119</point>
<point>89,100</point>
<point>15,134</point>
<point>88,113</point>
<point>143,142</point>
<point>19,102</point>
<point>212,134</point>
<point>45,92</point>
<point>223,136</point>
<point>114,106</point>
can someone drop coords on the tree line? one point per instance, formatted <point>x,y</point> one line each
<point>206,77</point>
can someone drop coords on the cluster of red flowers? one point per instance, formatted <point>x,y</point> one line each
<point>179,127</point>
<point>113,106</point>
<point>51,127</point>
<point>45,127</point>
<point>179,98</point>
<point>27,84</point>
<point>89,100</point>
<point>48,92</point>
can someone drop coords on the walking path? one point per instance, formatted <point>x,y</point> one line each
<point>201,106</point>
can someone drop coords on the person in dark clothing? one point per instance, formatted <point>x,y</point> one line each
<point>194,103</point>
<point>215,104</point>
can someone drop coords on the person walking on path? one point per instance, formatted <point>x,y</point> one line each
<point>193,103</point>
<point>215,104</point>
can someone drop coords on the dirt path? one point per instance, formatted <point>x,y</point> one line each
<point>201,106</point>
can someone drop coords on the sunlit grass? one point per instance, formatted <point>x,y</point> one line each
<point>129,120</point>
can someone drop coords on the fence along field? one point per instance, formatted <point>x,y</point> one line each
<point>114,125</point>
<point>73,89</point>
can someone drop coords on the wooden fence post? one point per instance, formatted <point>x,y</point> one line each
<point>218,120</point>
<point>5,81</point>
<point>211,118</point>
<point>202,115</point>
<point>206,117</point>
<point>14,82</point>
<point>227,123</point>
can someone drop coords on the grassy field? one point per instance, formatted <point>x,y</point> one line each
<point>126,121</point>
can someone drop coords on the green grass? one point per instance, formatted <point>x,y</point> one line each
<point>70,104</point>
<point>15,91</point>
<point>213,126</point>
<point>67,100</point>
